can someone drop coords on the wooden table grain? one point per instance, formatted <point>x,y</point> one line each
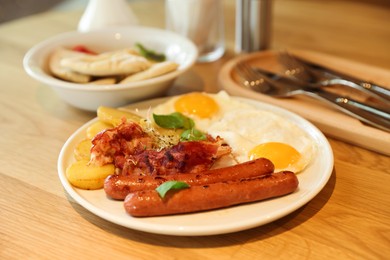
<point>348,219</point>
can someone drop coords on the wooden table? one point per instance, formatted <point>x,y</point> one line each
<point>348,219</point>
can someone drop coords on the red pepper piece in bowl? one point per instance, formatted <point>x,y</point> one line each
<point>82,48</point>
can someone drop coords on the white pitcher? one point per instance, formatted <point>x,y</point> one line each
<point>106,13</point>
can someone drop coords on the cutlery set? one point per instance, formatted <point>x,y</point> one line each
<point>311,72</point>
<point>305,78</point>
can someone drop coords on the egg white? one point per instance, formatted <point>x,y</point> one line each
<point>245,128</point>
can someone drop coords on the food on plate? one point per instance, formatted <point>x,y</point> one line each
<point>148,203</point>
<point>114,116</point>
<point>284,155</point>
<point>112,145</point>
<point>94,176</point>
<point>203,108</point>
<point>97,127</point>
<point>117,186</point>
<point>82,150</point>
<point>205,151</point>
<point>171,185</point>
<point>80,64</point>
<point>246,129</point>
<point>134,151</point>
<point>84,175</point>
<point>184,157</point>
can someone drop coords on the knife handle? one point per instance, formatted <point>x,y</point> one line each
<point>368,114</point>
<point>379,91</point>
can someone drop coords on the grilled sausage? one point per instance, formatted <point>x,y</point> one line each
<point>205,197</point>
<point>118,186</point>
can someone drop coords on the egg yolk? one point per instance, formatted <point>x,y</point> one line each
<point>280,154</point>
<point>197,104</point>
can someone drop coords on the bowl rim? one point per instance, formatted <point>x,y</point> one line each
<point>35,70</point>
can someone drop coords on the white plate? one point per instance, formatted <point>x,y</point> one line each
<point>311,182</point>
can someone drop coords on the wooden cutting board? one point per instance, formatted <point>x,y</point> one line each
<point>329,120</point>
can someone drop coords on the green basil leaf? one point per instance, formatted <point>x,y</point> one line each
<point>192,135</point>
<point>150,54</point>
<point>174,120</point>
<point>171,185</point>
<point>188,123</point>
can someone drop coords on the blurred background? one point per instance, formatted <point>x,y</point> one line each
<point>299,24</point>
<point>12,9</point>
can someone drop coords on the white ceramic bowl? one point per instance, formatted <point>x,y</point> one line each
<point>89,97</point>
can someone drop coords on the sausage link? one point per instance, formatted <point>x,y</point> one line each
<point>118,186</point>
<point>205,197</point>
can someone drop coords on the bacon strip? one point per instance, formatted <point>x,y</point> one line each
<point>133,151</point>
<point>188,157</point>
<point>113,145</point>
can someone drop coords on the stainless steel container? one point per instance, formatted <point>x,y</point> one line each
<point>253,25</point>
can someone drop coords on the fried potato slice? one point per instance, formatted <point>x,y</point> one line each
<point>82,151</point>
<point>114,116</point>
<point>97,127</point>
<point>86,176</point>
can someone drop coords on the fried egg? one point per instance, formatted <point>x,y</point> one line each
<point>254,133</point>
<point>203,108</point>
<point>251,133</point>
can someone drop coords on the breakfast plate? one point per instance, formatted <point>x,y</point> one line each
<point>311,181</point>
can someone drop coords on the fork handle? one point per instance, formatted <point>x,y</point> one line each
<point>370,115</point>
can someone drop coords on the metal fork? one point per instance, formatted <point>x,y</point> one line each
<point>267,84</point>
<point>312,73</point>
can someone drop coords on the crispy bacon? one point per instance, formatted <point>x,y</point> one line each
<point>185,157</point>
<point>133,151</point>
<point>113,145</point>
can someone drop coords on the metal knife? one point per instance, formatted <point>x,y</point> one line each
<point>381,91</point>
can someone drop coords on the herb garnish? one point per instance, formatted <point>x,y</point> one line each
<point>192,135</point>
<point>150,54</point>
<point>171,185</point>
<point>177,120</point>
